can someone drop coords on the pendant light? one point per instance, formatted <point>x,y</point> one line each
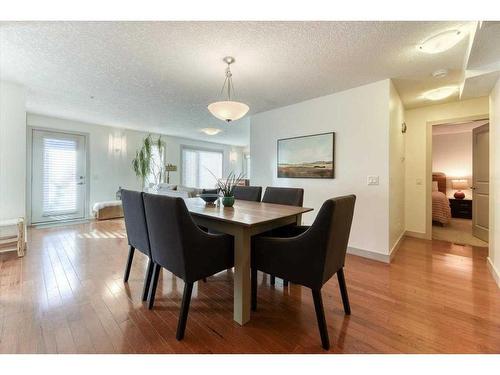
<point>228,110</point>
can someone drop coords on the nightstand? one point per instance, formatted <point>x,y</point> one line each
<point>461,208</point>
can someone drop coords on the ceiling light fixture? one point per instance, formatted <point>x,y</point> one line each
<point>441,42</point>
<point>441,73</point>
<point>211,131</point>
<point>440,93</point>
<point>228,110</point>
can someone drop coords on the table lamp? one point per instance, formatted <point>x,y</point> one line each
<point>459,185</point>
<point>170,168</point>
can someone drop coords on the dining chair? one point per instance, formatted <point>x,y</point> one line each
<point>310,257</point>
<point>178,245</point>
<point>286,196</point>
<point>248,193</point>
<point>137,233</point>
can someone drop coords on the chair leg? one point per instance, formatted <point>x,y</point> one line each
<point>343,291</point>
<point>153,285</point>
<point>320,316</point>
<point>273,280</point>
<point>129,263</point>
<point>147,280</point>
<point>186,299</point>
<point>253,280</point>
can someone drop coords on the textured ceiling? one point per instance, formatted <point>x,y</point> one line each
<point>160,76</point>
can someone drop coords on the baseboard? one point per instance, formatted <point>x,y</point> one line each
<point>396,246</point>
<point>494,272</point>
<point>369,254</point>
<point>421,235</point>
<point>59,223</point>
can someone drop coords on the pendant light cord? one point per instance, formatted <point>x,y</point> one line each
<point>229,82</point>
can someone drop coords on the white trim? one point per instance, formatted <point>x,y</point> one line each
<point>369,254</point>
<point>396,247</point>
<point>420,235</point>
<point>494,272</point>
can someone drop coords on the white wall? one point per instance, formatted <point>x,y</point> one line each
<point>360,119</point>
<point>452,155</point>
<point>396,169</point>
<point>419,156</point>
<point>109,170</point>
<point>12,150</point>
<point>494,222</point>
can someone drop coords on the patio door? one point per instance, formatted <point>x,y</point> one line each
<point>59,163</point>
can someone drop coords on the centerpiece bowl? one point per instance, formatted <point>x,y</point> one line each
<point>209,198</point>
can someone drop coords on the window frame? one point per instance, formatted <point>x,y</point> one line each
<point>196,148</point>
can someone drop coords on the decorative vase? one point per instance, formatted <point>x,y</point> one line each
<point>459,195</point>
<point>228,201</point>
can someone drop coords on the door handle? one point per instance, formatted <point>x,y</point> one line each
<point>80,183</point>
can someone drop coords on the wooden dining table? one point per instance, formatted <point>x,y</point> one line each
<point>244,220</point>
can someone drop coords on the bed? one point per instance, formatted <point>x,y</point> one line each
<point>441,211</point>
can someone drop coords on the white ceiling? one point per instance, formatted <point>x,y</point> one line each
<point>160,76</point>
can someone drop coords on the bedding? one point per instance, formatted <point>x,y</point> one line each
<point>441,211</point>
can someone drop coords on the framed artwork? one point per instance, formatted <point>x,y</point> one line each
<point>310,156</point>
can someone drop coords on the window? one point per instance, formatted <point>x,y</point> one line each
<point>60,192</point>
<point>197,165</point>
<point>156,168</point>
<point>246,166</point>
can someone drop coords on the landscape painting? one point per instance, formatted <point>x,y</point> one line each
<point>309,156</point>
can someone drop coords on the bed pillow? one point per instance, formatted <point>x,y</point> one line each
<point>435,186</point>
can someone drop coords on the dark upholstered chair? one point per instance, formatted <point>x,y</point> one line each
<point>287,196</point>
<point>284,195</point>
<point>210,191</point>
<point>311,257</point>
<point>137,233</point>
<point>248,193</point>
<point>178,245</point>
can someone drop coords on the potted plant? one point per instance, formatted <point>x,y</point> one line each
<point>226,187</point>
<point>144,164</point>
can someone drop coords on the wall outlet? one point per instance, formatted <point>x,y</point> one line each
<point>372,180</point>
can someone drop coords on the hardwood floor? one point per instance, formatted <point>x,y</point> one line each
<point>67,296</point>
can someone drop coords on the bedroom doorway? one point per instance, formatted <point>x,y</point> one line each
<point>460,180</point>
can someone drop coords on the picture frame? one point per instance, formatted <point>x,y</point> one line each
<point>308,156</point>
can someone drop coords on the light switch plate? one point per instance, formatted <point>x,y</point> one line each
<point>372,180</point>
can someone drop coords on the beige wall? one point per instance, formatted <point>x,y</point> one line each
<point>12,150</point>
<point>396,169</point>
<point>418,156</point>
<point>494,238</point>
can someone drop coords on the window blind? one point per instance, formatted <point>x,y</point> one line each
<point>197,165</point>
<point>60,193</point>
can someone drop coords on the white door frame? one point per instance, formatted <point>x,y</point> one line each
<point>29,167</point>
<point>428,164</point>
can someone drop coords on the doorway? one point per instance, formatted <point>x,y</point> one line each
<point>58,176</point>
<point>460,180</point>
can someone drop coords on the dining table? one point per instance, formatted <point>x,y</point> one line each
<point>242,221</point>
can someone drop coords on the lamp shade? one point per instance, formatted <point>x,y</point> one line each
<point>459,184</point>
<point>228,110</point>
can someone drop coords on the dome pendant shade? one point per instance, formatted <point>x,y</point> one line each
<point>228,110</point>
